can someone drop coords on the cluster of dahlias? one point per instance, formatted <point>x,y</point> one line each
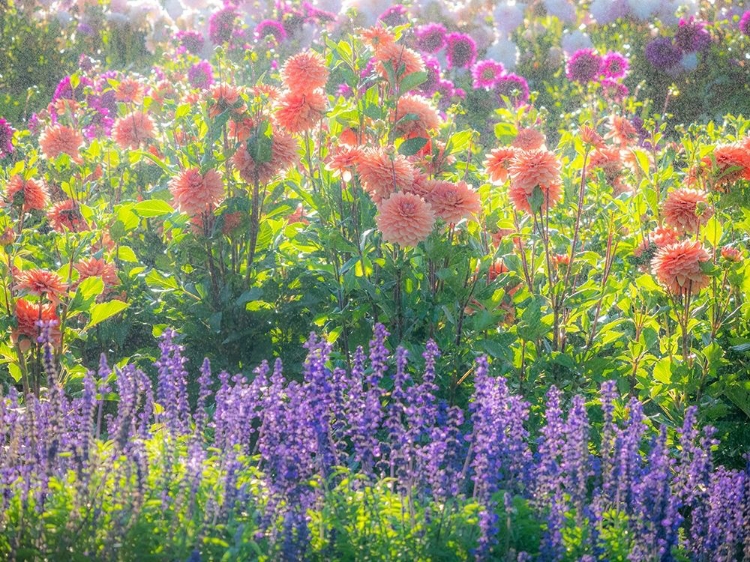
<point>585,66</point>
<point>726,165</point>
<point>408,201</point>
<point>530,167</point>
<point>677,258</point>
<point>303,103</point>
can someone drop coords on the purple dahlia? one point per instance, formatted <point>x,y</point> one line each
<point>584,66</point>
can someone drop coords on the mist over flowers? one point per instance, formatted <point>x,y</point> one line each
<point>350,280</point>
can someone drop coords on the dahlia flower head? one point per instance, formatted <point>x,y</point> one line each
<point>415,116</point>
<point>584,66</point>
<point>41,283</point>
<point>679,267</point>
<point>452,202</point>
<point>686,210</point>
<point>382,173</point>
<point>297,112</point>
<point>744,24</point>
<point>530,170</point>
<point>133,129</point>
<point>30,194</point>
<point>486,74</point>
<point>304,72</point>
<point>430,38</point>
<point>513,87</point>
<point>405,219</point>
<point>59,139</point>
<point>66,215</point>
<point>461,50</point>
<point>27,330</point>
<point>196,193</point>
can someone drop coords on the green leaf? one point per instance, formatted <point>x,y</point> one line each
<point>713,231</point>
<point>413,80</point>
<point>153,208</point>
<point>100,312</point>
<point>663,370</point>
<point>412,146</point>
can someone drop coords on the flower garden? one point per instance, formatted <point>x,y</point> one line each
<point>352,280</point>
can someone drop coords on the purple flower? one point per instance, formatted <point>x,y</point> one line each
<point>613,90</point>
<point>221,25</point>
<point>270,27</point>
<point>461,50</point>
<point>6,138</point>
<point>691,36</point>
<point>486,74</point>
<point>432,67</point>
<point>430,37</point>
<point>614,65</point>
<point>745,23</point>
<point>663,54</point>
<point>584,66</point>
<point>200,75</point>
<point>345,91</point>
<point>513,87</point>
<point>395,15</point>
<point>192,41</point>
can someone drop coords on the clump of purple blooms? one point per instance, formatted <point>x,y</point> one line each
<point>221,24</point>
<point>266,465</point>
<point>584,66</point>
<point>272,28</point>
<point>191,41</point>
<point>394,16</point>
<point>745,23</point>
<point>6,138</point>
<point>460,50</point>
<point>430,38</point>
<point>200,75</point>
<point>674,55</point>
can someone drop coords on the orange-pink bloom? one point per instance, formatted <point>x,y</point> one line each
<point>284,154</point>
<point>27,316</point>
<point>405,219</point>
<point>531,169</point>
<point>403,61</point>
<point>382,173</point>
<point>59,139</point>
<point>453,201</point>
<point>225,96</point>
<point>66,215</point>
<point>40,282</point>
<point>609,160</point>
<point>529,139</point>
<point>95,267</point>
<point>197,193</point>
<point>728,164</point>
<point>31,194</point>
<point>415,116</point>
<point>497,163</point>
<point>301,111</point>
<point>129,90</point>
<point>731,254</point>
<point>133,129</point>
<point>343,162</point>
<point>685,210</point>
<point>678,267</point>
<point>304,72</point>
